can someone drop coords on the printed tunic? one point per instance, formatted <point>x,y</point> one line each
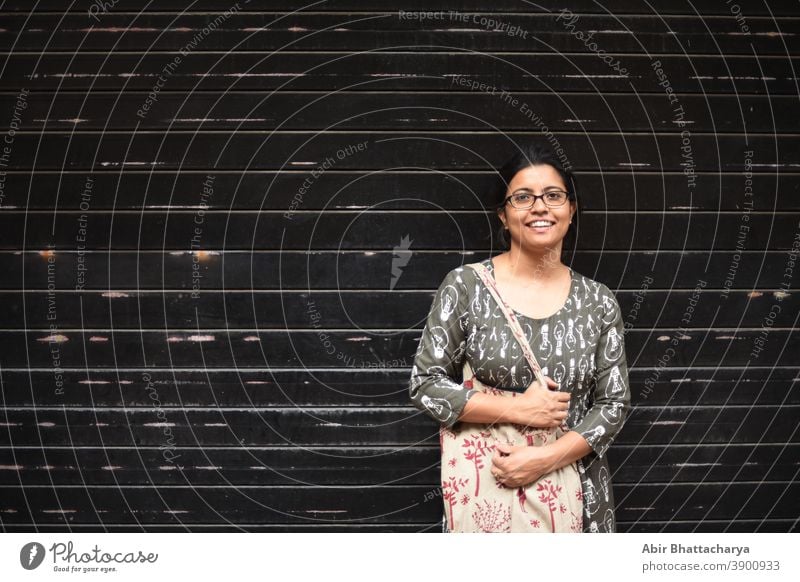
<point>581,347</point>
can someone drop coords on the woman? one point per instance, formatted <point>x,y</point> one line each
<point>573,325</point>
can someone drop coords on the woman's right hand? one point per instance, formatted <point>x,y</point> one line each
<point>543,408</point>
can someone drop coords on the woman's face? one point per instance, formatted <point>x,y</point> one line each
<point>521,223</point>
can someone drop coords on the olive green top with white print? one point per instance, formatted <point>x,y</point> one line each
<point>581,346</point>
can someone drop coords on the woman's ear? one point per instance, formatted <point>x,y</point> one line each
<point>501,216</point>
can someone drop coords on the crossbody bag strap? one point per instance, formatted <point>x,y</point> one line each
<point>516,329</point>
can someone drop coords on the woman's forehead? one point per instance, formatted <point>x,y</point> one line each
<point>541,176</point>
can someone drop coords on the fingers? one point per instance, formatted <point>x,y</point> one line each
<point>560,405</point>
<point>498,471</point>
<point>557,418</point>
<point>552,387</point>
<point>497,465</point>
<point>503,447</point>
<point>559,400</point>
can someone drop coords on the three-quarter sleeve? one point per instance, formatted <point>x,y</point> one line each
<point>436,375</point>
<point>610,396</point>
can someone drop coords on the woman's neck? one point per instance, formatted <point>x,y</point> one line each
<point>532,267</point>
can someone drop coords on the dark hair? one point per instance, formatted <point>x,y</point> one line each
<point>533,154</point>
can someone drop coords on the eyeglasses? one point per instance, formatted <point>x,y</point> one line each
<point>525,200</point>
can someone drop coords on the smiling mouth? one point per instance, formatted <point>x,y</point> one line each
<point>540,225</point>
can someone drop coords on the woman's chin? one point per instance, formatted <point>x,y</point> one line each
<point>540,242</point>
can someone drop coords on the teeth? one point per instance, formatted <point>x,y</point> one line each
<point>540,223</point>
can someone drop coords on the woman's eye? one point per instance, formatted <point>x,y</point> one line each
<point>523,197</point>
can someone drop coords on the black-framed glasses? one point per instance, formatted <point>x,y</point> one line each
<point>526,200</point>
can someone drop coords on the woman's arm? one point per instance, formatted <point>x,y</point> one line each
<point>515,466</point>
<point>435,386</point>
<point>611,396</point>
<point>535,407</point>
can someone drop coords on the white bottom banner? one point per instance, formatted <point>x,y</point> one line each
<point>380,557</point>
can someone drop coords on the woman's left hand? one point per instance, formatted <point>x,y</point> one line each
<point>516,466</point>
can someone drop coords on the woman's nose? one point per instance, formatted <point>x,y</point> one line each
<point>536,202</point>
